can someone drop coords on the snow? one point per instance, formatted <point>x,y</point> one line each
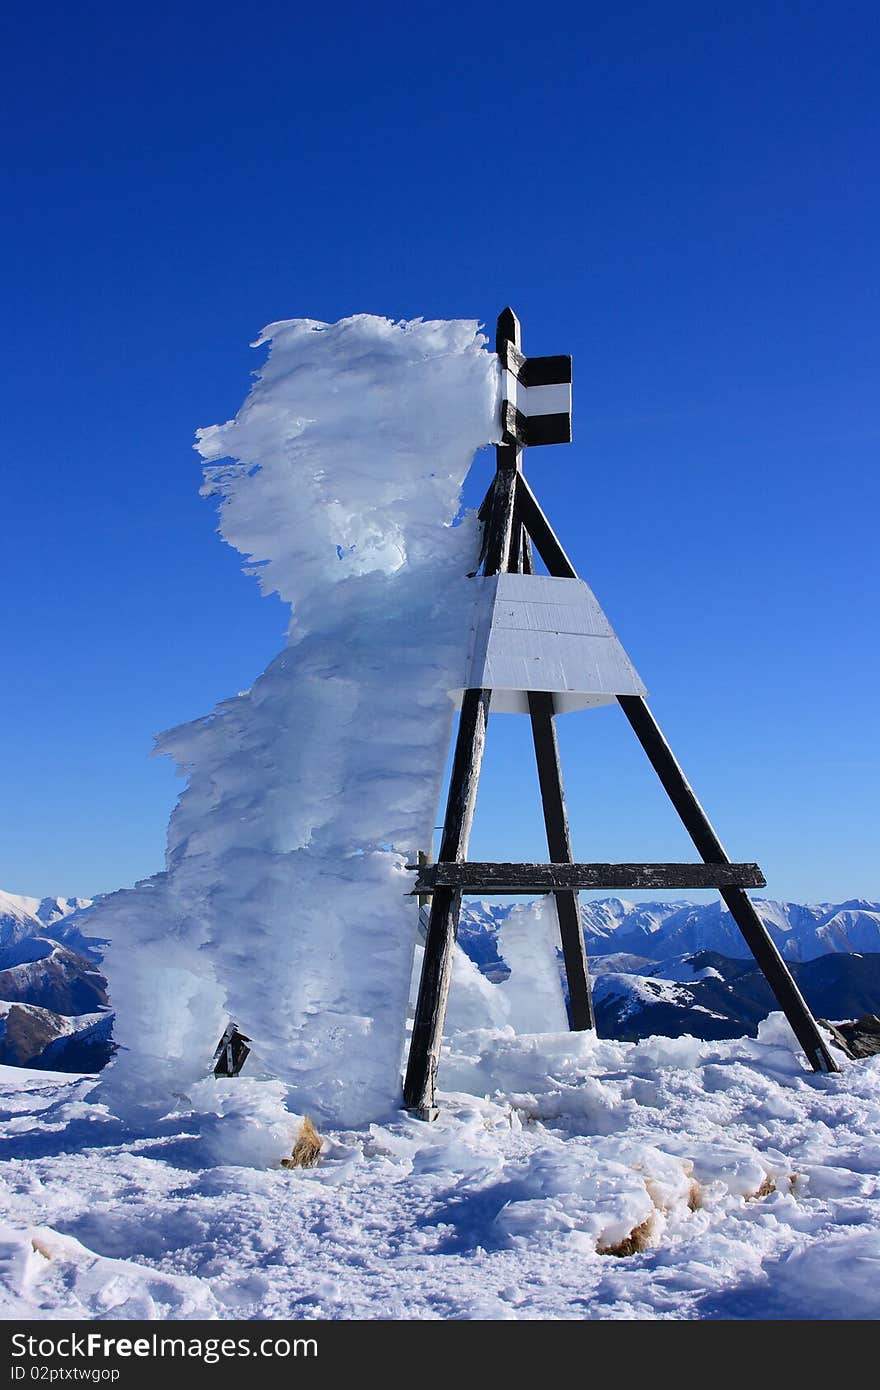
<point>751,1184</point>
<point>284,903</point>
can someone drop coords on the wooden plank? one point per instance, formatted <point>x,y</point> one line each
<point>507,330</point>
<point>499,531</point>
<point>508,345</point>
<point>513,424</point>
<point>473,877</point>
<point>740,906</point>
<point>534,430</point>
<point>483,513</point>
<point>424,1054</point>
<point>430,1015</point>
<point>511,359</point>
<point>581,1013</point>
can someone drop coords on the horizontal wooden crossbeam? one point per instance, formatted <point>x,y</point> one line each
<point>549,878</point>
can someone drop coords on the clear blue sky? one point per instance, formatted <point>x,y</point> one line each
<point>683,196</point>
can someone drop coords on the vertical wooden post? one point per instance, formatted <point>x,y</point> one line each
<point>430,1015</point>
<point>740,905</point>
<point>500,524</point>
<point>574,953</point>
<point>424,1053</point>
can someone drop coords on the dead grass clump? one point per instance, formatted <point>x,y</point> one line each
<point>306,1149</point>
<point>633,1244</point>
<point>695,1197</point>
<point>767,1186</point>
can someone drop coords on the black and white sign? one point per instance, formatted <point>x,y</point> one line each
<point>535,398</point>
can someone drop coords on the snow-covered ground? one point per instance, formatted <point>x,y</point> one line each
<point>744,1187</point>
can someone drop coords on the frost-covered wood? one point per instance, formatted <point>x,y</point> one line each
<point>497,552</point>
<point>474,877</point>
<point>430,1015</point>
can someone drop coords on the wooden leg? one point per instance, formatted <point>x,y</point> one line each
<point>740,905</point>
<point>499,527</point>
<point>427,1035</point>
<point>424,1052</point>
<point>559,844</point>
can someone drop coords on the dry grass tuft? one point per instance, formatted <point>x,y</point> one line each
<point>306,1149</point>
<point>695,1197</point>
<point>633,1244</point>
<point>767,1186</point>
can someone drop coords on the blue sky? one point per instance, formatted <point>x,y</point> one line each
<point>683,196</point>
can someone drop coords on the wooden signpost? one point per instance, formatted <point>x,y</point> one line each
<point>536,410</point>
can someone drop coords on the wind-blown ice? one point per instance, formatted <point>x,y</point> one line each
<point>283,905</point>
<point>533,991</point>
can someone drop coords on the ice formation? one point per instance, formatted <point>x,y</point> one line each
<point>283,904</point>
<point>533,991</point>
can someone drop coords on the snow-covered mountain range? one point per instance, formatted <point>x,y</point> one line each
<point>53,1001</point>
<point>662,930</point>
<point>670,969</point>
<point>667,931</point>
<point>658,968</point>
<point>22,917</point>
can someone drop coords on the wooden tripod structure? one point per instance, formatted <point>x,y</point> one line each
<point>513,520</point>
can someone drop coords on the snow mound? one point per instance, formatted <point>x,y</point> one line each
<point>46,1274</point>
<point>567,1177</point>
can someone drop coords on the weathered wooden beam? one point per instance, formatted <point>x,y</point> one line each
<point>499,527</point>
<point>430,1015</point>
<point>483,513</point>
<point>472,877</point>
<point>509,355</point>
<point>531,431</point>
<point>508,330</point>
<point>424,1053</point>
<point>739,904</point>
<point>581,1013</point>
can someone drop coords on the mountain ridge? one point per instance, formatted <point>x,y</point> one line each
<point>668,968</point>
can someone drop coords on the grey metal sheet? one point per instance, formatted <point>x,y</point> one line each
<point>535,632</point>
<point>551,617</point>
